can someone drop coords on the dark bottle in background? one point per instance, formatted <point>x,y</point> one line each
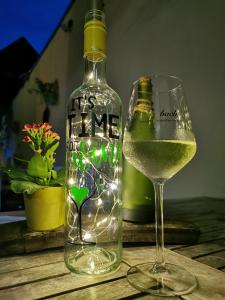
<point>138,191</point>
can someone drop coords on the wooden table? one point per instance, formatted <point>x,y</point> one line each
<point>42,275</point>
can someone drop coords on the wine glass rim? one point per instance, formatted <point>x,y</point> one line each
<point>152,76</point>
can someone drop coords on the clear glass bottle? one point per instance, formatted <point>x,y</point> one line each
<point>93,230</point>
<point>139,203</point>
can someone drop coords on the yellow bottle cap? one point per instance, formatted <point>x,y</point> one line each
<point>95,36</point>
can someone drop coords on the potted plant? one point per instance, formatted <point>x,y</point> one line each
<point>41,185</point>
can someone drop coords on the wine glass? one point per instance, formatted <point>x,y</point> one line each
<point>162,148</point>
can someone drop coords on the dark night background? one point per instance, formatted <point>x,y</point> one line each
<point>26,27</point>
<point>35,20</point>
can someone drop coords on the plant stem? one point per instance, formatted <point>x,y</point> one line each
<point>159,227</point>
<point>20,159</point>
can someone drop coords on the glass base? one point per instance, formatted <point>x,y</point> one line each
<point>170,280</point>
<point>92,261</point>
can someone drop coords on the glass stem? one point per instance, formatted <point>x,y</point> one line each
<point>159,227</point>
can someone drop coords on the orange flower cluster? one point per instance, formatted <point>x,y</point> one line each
<point>39,135</point>
<point>35,128</point>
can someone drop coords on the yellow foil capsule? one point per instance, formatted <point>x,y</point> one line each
<point>94,40</point>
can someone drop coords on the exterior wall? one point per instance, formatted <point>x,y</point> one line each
<point>183,38</point>
<point>62,60</point>
<point>186,39</point>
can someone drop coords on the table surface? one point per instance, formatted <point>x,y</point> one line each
<point>43,275</point>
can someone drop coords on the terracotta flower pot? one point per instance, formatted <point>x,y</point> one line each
<point>45,209</point>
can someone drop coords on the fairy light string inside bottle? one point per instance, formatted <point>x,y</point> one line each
<point>94,142</point>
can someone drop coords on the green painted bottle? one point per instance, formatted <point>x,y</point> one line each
<point>138,192</point>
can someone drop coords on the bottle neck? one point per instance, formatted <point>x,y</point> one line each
<point>95,71</point>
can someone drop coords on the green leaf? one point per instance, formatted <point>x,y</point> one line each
<point>38,167</point>
<point>51,150</point>
<point>54,174</point>
<point>17,174</point>
<point>60,180</point>
<point>27,187</point>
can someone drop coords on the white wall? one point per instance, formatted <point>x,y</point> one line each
<point>180,37</point>
<point>186,39</point>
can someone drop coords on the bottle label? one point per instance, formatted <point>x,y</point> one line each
<point>143,105</point>
<point>89,120</point>
<point>93,148</point>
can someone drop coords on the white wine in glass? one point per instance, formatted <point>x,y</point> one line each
<point>159,154</point>
<point>159,159</point>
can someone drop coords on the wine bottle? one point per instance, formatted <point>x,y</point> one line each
<point>138,191</point>
<point>94,163</point>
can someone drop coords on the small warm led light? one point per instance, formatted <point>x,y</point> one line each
<point>100,202</point>
<point>87,236</point>
<point>92,265</point>
<point>71,181</point>
<point>98,152</point>
<point>90,75</point>
<point>118,169</point>
<point>113,186</point>
<point>104,220</point>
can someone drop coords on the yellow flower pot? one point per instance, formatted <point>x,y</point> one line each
<point>45,209</point>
